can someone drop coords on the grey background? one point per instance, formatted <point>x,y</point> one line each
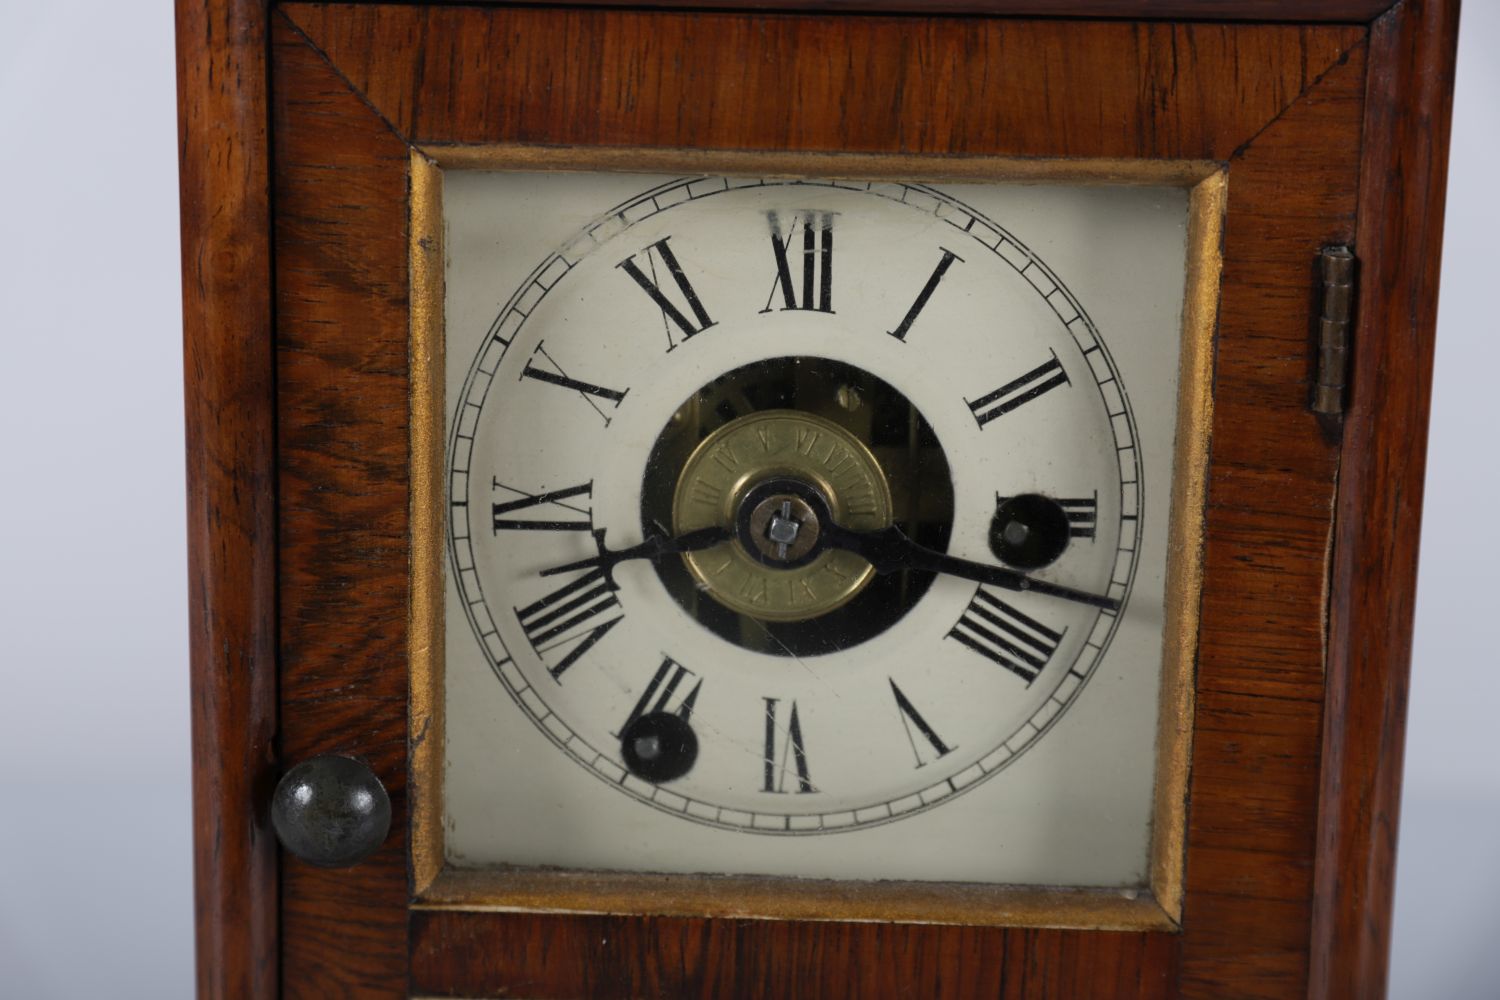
<point>95,827</point>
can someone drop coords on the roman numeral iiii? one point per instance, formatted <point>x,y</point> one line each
<point>1005,636</point>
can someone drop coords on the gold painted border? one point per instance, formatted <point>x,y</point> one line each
<point>745,897</point>
<point>426,734</point>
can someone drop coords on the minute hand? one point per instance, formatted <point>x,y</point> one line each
<point>889,550</point>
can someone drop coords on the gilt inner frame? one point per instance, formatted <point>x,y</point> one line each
<point>1157,907</point>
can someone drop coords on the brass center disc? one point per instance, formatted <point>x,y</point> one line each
<point>779,444</point>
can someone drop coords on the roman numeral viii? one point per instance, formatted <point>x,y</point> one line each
<point>661,251</point>
<point>658,695</point>
<point>555,503</point>
<point>1005,636</point>
<point>817,262</point>
<point>572,618</point>
<point>785,751</point>
<point>916,726</point>
<point>1041,379</point>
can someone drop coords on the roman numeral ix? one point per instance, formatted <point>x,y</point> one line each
<point>1005,636</point>
<point>817,262</point>
<point>662,250</point>
<point>915,725</point>
<point>785,750</point>
<point>1034,383</point>
<point>574,617</point>
<point>550,499</point>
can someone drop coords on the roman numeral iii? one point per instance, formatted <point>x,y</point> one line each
<point>573,618</point>
<point>553,500</point>
<point>786,752</point>
<point>1041,379</point>
<point>1005,636</point>
<point>817,262</point>
<point>651,284</point>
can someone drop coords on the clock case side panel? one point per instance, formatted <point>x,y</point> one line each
<point>340,180</point>
<point>224,150</point>
<point>1409,102</point>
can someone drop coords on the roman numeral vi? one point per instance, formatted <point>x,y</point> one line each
<point>785,751</point>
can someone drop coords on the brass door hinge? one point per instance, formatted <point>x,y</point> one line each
<point>1337,265</point>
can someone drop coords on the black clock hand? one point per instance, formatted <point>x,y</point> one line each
<point>888,550</point>
<point>656,545</point>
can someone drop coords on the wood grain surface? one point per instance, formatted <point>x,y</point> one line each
<point>1322,11</point>
<point>302,434</point>
<point>231,494</point>
<point>342,396</point>
<point>1409,102</point>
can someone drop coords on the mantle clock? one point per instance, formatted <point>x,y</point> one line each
<point>805,499</point>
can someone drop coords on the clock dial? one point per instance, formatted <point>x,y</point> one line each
<point>913,440</point>
<point>800,527</point>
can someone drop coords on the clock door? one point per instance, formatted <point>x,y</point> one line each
<point>710,514</point>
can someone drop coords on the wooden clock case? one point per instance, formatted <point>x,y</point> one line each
<point>300,128</point>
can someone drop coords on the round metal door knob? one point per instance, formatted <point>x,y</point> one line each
<point>331,811</point>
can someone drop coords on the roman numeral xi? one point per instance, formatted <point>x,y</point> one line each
<point>651,284</point>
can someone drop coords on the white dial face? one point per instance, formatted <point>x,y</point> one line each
<point>904,459</point>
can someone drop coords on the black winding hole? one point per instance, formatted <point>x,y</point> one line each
<point>659,747</point>
<point>1029,531</point>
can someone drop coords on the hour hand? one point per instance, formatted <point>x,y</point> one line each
<point>656,545</point>
<point>889,550</point>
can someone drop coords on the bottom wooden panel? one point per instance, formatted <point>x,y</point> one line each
<point>551,957</point>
